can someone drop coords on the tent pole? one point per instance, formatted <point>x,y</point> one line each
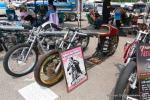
<point>80,11</point>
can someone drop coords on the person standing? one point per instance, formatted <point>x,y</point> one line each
<point>52,15</point>
<point>101,41</point>
<point>27,15</point>
<point>106,11</point>
<point>117,17</point>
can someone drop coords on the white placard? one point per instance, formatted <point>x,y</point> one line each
<point>37,92</point>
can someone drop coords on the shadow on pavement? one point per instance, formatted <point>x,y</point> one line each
<point>111,97</point>
<point>120,68</point>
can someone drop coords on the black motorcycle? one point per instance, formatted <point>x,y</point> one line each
<point>11,35</point>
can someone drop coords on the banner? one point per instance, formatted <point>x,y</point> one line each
<point>143,70</point>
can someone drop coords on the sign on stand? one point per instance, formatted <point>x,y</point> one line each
<point>74,67</point>
<point>143,69</point>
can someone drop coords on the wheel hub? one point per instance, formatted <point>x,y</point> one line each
<point>21,62</point>
<point>50,70</point>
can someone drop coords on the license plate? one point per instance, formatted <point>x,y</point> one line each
<point>130,98</point>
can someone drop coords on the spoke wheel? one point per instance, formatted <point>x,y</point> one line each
<point>14,61</point>
<point>45,73</point>
<point>113,44</point>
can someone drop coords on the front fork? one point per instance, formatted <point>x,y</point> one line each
<point>31,46</point>
<point>61,46</point>
<point>128,60</point>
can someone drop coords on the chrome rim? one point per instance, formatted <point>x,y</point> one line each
<point>16,61</point>
<point>47,72</point>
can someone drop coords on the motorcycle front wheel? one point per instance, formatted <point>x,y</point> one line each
<point>14,61</point>
<point>123,89</point>
<point>44,72</point>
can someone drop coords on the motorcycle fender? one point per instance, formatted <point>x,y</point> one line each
<point>108,30</point>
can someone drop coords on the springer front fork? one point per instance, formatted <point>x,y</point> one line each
<point>25,56</point>
<point>61,46</point>
<point>130,54</point>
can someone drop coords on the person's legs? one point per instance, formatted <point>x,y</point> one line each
<point>98,23</point>
<point>118,24</point>
<point>99,49</point>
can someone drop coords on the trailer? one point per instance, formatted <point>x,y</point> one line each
<point>68,7</point>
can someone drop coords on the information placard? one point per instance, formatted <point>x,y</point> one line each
<point>143,70</point>
<point>74,67</point>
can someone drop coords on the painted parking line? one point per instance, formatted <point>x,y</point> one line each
<point>37,92</point>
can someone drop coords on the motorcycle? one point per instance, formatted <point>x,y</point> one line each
<point>129,48</point>
<point>17,61</point>
<point>10,35</point>
<point>49,69</point>
<point>127,83</point>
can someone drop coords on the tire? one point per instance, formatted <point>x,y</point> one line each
<point>44,64</point>
<point>123,80</point>
<point>72,17</point>
<point>113,44</point>
<point>8,56</point>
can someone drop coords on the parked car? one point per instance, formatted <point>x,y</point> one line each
<point>16,4</point>
<point>140,7</point>
<point>87,7</point>
<point>3,7</point>
<point>99,9</point>
<point>98,6</point>
<point>114,6</point>
<point>63,13</point>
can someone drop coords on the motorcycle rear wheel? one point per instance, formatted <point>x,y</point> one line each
<point>113,44</point>
<point>44,71</point>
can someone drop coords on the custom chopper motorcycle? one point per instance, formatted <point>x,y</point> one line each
<point>49,69</point>
<point>22,58</point>
<point>11,35</point>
